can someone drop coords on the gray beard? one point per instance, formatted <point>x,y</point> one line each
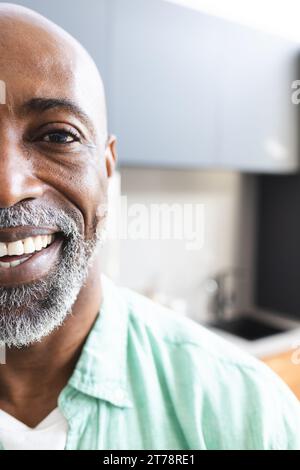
<point>32,311</point>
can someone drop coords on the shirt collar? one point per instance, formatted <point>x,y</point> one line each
<point>101,370</point>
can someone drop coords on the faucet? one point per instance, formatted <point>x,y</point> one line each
<point>222,297</point>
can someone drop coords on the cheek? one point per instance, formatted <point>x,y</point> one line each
<point>96,210</point>
<point>83,186</point>
<point>91,199</point>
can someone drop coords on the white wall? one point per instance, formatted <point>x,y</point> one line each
<point>166,267</point>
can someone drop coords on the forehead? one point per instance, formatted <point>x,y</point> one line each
<point>35,63</point>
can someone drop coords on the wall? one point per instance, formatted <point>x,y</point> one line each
<point>166,269</point>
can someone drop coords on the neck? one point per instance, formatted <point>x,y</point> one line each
<point>51,362</point>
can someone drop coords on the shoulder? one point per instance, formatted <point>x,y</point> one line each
<point>221,383</point>
<point>173,330</point>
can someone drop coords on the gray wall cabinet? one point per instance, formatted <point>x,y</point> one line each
<point>185,89</point>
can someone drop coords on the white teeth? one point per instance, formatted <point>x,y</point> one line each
<point>12,264</point>
<point>4,265</point>
<point>38,243</point>
<point>3,249</point>
<point>27,246</point>
<point>15,248</point>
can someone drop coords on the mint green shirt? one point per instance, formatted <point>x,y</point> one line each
<point>150,379</point>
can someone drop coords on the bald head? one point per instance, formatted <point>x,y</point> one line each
<point>39,51</point>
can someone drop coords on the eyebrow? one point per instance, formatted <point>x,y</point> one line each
<point>45,104</point>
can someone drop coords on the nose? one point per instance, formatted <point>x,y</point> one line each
<point>17,179</point>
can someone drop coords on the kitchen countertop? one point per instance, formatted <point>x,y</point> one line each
<point>270,345</point>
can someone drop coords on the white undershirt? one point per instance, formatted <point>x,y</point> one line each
<point>50,434</point>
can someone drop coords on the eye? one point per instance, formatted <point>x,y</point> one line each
<point>60,137</point>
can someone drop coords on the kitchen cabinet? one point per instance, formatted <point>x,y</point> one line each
<point>193,90</point>
<point>258,120</point>
<point>186,89</point>
<point>163,84</point>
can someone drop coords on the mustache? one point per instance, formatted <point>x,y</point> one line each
<point>25,213</point>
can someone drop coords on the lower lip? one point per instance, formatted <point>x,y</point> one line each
<point>34,268</point>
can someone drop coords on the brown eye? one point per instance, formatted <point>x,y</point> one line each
<point>60,137</point>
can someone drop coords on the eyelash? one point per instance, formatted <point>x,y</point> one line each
<point>69,132</point>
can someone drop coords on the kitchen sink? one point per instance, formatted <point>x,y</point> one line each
<point>248,327</point>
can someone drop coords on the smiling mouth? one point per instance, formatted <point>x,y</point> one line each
<point>28,254</point>
<point>14,253</point>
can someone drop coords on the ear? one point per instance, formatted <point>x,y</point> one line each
<point>111,155</point>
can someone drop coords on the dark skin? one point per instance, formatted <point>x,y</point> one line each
<point>42,162</point>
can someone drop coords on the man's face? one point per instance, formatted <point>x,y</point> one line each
<point>53,173</point>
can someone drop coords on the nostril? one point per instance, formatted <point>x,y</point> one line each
<point>19,189</point>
